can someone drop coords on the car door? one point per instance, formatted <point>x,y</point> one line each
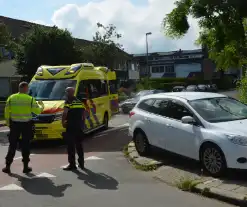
<point>180,138</point>
<point>156,124</point>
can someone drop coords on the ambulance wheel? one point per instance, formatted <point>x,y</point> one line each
<point>105,121</point>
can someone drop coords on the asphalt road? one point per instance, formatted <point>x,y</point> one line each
<point>108,181</point>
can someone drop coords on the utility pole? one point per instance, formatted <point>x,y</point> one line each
<point>147,66</point>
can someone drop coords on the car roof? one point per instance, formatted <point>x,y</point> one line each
<point>186,95</point>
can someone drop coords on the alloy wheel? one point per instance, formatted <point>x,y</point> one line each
<point>213,160</point>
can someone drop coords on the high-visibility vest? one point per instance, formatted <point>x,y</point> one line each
<point>21,107</point>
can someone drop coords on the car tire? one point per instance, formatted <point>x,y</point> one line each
<point>106,121</point>
<point>141,143</point>
<point>213,160</point>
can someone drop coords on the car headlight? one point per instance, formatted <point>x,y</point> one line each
<point>58,116</point>
<point>237,139</point>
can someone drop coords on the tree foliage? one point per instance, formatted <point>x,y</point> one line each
<point>45,46</point>
<point>223,28</point>
<point>105,49</point>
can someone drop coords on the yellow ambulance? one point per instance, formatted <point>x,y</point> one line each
<point>91,87</point>
<point>113,92</point>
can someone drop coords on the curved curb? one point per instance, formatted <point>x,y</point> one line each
<point>147,164</point>
<point>140,163</point>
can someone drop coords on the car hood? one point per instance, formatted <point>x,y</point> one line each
<point>232,127</point>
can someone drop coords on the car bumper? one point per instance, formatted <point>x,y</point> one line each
<point>236,156</point>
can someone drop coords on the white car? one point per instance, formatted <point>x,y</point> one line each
<point>208,127</point>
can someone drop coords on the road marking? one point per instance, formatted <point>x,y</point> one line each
<point>64,166</point>
<point>5,130</point>
<point>18,158</point>
<point>45,175</point>
<point>11,187</point>
<point>94,158</point>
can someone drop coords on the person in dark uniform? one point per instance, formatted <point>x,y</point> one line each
<point>73,121</point>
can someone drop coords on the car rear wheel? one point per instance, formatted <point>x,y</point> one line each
<point>141,143</point>
<point>213,160</point>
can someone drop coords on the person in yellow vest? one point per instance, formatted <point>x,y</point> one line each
<point>19,110</point>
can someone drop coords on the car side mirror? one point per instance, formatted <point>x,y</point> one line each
<point>188,120</point>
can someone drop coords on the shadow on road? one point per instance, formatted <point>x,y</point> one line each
<point>107,141</point>
<point>97,180</point>
<point>41,186</point>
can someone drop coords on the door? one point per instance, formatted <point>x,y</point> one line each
<point>180,138</point>
<point>98,100</point>
<point>113,96</point>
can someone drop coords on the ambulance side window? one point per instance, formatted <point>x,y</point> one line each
<point>82,89</point>
<point>97,88</point>
<point>103,88</point>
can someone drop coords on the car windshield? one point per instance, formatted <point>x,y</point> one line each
<point>50,89</point>
<point>220,109</point>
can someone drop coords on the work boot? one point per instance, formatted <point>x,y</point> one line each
<point>81,165</point>
<point>70,167</point>
<point>27,169</point>
<point>6,169</point>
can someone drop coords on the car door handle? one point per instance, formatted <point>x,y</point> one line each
<point>169,125</point>
<point>148,120</point>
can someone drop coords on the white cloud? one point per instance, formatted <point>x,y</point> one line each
<point>131,20</point>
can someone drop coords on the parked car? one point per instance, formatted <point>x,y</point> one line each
<point>202,88</point>
<point>212,88</point>
<point>128,104</point>
<point>178,88</point>
<point>192,88</point>
<point>207,127</point>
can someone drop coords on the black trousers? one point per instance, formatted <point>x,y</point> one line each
<point>17,129</point>
<point>74,144</point>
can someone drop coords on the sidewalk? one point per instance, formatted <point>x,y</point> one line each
<point>187,176</point>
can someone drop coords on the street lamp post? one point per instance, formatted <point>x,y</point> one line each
<point>149,33</point>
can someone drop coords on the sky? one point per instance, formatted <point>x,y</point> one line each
<point>132,18</point>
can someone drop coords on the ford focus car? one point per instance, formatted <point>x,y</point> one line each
<point>207,127</point>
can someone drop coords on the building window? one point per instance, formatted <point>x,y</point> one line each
<point>169,69</point>
<point>158,69</point>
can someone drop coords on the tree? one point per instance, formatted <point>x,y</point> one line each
<point>223,28</point>
<point>5,38</point>
<point>104,50</point>
<point>45,46</point>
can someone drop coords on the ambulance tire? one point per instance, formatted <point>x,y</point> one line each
<point>106,121</point>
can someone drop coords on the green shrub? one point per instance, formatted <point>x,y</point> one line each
<point>242,89</point>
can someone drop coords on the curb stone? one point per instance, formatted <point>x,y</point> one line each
<point>142,163</point>
<point>170,175</point>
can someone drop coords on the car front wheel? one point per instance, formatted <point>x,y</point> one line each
<point>141,143</point>
<point>213,160</point>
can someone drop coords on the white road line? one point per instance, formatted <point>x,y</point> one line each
<point>17,158</point>
<point>94,158</point>
<point>11,187</point>
<point>45,175</point>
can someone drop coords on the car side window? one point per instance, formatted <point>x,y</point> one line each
<point>160,107</point>
<point>177,111</point>
<point>146,105</point>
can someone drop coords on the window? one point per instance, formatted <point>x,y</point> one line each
<point>96,88</point>
<point>177,111</point>
<point>82,91</point>
<point>50,89</point>
<point>169,69</point>
<point>146,105</point>
<point>113,86</point>
<point>160,107</point>
<point>157,69</point>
